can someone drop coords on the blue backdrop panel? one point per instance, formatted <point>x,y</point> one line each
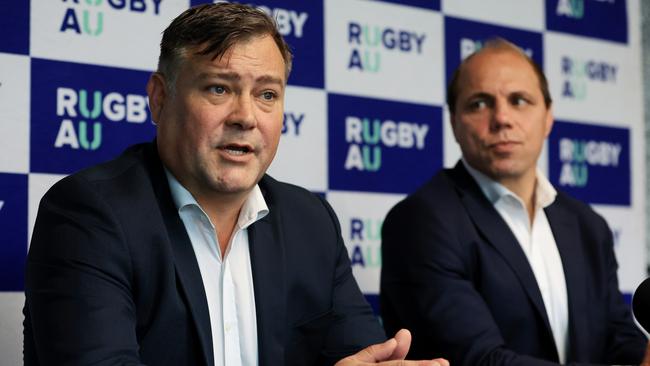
<point>84,114</point>
<point>463,37</point>
<point>301,25</point>
<point>382,146</point>
<point>591,163</point>
<point>14,23</point>
<point>426,4</point>
<point>13,226</point>
<point>589,18</point>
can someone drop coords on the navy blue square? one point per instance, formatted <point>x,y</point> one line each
<point>13,226</point>
<point>426,4</point>
<point>301,25</point>
<point>14,22</point>
<point>83,114</point>
<point>463,37</point>
<point>591,163</point>
<point>598,19</point>
<point>382,146</point>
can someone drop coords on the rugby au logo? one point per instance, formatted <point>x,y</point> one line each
<point>577,155</point>
<point>365,235</point>
<point>571,8</point>
<point>578,72</point>
<point>368,41</point>
<point>87,16</point>
<point>366,136</point>
<point>76,106</point>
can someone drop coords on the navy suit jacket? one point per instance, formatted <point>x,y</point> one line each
<point>112,278</point>
<point>455,275</point>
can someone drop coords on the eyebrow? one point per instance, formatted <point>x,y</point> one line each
<point>479,95</point>
<point>233,76</point>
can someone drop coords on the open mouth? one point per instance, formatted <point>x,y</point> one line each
<point>234,149</point>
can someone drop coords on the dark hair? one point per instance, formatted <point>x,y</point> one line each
<point>496,44</point>
<point>213,29</point>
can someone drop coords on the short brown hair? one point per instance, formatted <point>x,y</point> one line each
<point>215,28</point>
<point>496,44</point>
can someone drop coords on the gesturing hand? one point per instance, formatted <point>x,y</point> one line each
<point>390,353</point>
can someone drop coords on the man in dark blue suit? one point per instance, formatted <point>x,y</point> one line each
<point>487,263</point>
<point>182,251</point>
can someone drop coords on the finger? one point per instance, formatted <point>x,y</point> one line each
<point>436,362</point>
<point>442,362</point>
<point>377,352</point>
<point>403,338</point>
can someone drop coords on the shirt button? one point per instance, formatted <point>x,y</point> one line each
<point>228,327</point>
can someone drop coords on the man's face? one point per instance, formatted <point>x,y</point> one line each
<point>219,130</point>
<point>500,120</point>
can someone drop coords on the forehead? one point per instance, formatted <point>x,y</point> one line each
<point>495,67</point>
<point>256,54</point>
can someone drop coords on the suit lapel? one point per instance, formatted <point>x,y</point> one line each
<point>567,237</point>
<point>187,268</point>
<point>497,233</point>
<point>269,275</point>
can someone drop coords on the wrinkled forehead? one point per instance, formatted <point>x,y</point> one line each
<point>258,58</point>
<point>202,55</point>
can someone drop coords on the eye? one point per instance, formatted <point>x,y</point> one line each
<point>477,104</point>
<point>269,95</point>
<point>519,100</point>
<point>217,89</point>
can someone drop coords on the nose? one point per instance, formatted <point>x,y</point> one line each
<point>242,114</point>
<point>501,115</point>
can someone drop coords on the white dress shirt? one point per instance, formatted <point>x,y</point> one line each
<point>228,282</point>
<point>538,244</point>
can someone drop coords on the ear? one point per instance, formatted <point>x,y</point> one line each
<point>157,91</point>
<point>549,121</point>
<point>453,124</point>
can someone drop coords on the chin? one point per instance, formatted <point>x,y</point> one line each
<point>232,187</point>
<point>239,185</point>
<point>506,172</point>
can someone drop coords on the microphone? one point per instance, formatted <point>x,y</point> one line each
<point>641,304</point>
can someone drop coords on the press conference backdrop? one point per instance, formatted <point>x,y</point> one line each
<point>365,121</point>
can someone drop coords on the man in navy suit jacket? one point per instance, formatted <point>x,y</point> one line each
<point>182,251</point>
<point>486,263</point>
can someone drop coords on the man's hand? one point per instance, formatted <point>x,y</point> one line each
<point>390,353</point>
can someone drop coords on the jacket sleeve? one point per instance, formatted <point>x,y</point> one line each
<point>78,309</point>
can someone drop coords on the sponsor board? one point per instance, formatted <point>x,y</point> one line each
<point>121,33</point>
<point>589,18</point>
<point>82,114</point>
<point>383,50</point>
<point>625,233</point>
<point>530,13</point>
<point>424,4</point>
<point>382,146</point>
<point>589,78</point>
<point>14,21</point>
<point>302,154</point>
<point>591,163</point>
<point>361,216</point>
<point>14,113</point>
<point>301,25</point>
<point>464,37</point>
<point>13,226</point>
